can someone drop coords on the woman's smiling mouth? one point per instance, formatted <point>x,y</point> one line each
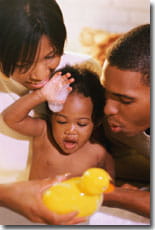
<point>37,84</point>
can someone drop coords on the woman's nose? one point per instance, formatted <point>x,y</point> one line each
<point>111,107</point>
<point>39,73</point>
<point>34,77</point>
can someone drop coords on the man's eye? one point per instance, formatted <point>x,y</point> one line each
<point>126,101</point>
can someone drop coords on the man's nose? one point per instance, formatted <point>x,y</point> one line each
<point>111,107</point>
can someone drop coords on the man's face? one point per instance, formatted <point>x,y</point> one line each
<point>72,127</point>
<point>127,100</point>
<point>40,72</point>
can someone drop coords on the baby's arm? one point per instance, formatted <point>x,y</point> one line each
<point>16,115</point>
<point>106,162</point>
<point>109,165</point>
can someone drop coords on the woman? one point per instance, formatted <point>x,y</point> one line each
<point>31,45</point>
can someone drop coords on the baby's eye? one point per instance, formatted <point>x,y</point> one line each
<point>61,122</point>
<point>82,124</point>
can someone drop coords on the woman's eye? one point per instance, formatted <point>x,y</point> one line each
<point>50,56</point>
<point>22,66</point>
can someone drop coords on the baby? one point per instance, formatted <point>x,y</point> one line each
<point>64,142</point>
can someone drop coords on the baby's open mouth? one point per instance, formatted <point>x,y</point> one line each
<point>70,143</point>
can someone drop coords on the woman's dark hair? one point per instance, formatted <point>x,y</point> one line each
<point>22,24</point>
<point>132,52</point>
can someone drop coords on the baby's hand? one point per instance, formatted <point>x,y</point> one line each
<point>55,86</point>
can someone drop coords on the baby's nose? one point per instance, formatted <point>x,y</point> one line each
<point>71,129</point>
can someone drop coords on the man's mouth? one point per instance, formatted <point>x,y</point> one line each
<point>114,126</point>
<point>115,129</point>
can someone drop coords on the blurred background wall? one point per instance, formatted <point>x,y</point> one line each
<point>114,16</point>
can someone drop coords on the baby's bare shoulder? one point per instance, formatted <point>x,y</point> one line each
<point>99,149</point>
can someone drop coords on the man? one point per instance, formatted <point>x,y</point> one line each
<point>126,78</point>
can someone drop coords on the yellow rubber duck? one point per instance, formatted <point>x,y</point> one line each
<point>83,194</point>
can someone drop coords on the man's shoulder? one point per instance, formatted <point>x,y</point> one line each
<point>122,143</point>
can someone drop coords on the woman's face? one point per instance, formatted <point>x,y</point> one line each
<point>40,72</point>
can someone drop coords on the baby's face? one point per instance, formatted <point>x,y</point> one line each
<point>72,127</point>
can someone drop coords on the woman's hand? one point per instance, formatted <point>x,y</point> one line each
<point>25,198</point>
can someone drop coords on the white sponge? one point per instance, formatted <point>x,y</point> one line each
<point>61,95</point>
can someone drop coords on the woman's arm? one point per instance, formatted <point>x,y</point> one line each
<point>131,199</point>
<point>25,198</point>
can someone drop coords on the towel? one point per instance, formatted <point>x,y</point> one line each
<point>116,216</point>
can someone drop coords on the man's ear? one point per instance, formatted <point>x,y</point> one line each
<point>146,79</point>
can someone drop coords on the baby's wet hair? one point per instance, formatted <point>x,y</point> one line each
<point>87,83</point>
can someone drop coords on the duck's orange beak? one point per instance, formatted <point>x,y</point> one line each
<point>110,188</point>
